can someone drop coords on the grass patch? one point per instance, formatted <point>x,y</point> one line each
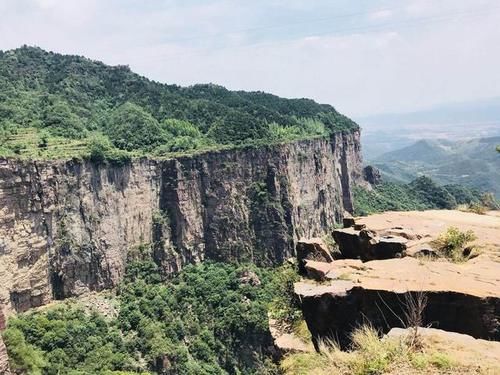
<point>370,355</point>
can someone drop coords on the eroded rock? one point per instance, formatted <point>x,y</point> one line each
<point>248,277</point>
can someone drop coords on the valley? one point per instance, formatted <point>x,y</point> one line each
<point>148,228</point>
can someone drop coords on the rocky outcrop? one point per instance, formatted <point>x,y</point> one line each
<point>68,227</point>
<point>372,175</point>
<point>463,298</point>
<point>366,244</point>
<point>286,341</point>
<point>312,249</point>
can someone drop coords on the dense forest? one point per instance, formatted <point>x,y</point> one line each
<point>212,318</point>
<point>58,106</point>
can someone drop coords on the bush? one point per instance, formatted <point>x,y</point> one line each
<point>130,128</point>
<point>23,357</point>
<point>453,244</point>
<point>101,150</point>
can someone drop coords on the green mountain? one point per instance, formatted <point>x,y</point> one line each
<point>54,105</point>
<point>473,163</point>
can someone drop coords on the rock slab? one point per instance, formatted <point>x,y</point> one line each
<point>463,298</point>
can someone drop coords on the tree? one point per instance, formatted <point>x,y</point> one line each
<point>61,121</point>
<point>130,128</point>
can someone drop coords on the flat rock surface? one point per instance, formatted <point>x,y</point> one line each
<point>288,342</point>
<point>479,277</point>
<point>429,224</point>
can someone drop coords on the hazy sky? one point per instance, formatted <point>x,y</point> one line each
<point>363,57</point>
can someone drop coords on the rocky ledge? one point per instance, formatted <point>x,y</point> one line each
<point>380,291</point>
<point>337,296</point>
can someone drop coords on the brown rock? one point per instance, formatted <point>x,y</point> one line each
<point>463,298</point>
<point>464,350</point>
<point>249,277</point>
<point>348,221</point>
<point>367,245</point>
<point>317,270</point>
<point>359,226</point>
<point>389,247</point>
<point>312,249</point>
<point>68,227</point>
<point>286,341</point>
<point>372,175</point>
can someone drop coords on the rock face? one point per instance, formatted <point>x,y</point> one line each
<point>68,227</point>
<point>4,359</point>
<point>372,175</point>
<point>462,298</point>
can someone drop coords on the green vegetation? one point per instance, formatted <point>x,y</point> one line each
<point>58,106</point>
<point>455,244</point>
<point>420,194</point>
<point>212,318</point>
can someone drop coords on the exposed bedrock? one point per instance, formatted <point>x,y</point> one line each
<point>378,293</point>
<point>67,227</point>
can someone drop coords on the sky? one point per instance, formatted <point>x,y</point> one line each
<point>362,56</point>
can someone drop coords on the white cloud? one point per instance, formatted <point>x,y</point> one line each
<point>412,61</point>
<point>381,14</point>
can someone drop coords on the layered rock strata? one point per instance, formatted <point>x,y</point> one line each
<point>68,227</point>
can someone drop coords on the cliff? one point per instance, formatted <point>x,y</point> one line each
<point>67,227</point>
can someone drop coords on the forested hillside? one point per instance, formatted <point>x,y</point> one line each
<point>473,163</point>
<point>57,106</point>
<point>421,194</point>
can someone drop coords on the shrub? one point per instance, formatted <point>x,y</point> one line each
<point>101,150</point>
<point>453,244</point>
<point>130,127</point>
<point>23,357</point>
<point>285,305</point>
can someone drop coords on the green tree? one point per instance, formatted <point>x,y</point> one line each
<point>130,128</point>
<point>23,357</point>
<point>59,119</point>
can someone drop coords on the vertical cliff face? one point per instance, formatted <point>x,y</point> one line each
<point>69,227</point>
<point>4,358</point>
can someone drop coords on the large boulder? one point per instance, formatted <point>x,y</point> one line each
<point>312,249</point>
<point>366,244</point>
<point>372,175</point>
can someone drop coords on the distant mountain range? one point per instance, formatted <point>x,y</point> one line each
<point>455,122</point>
<point>474,163</point>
